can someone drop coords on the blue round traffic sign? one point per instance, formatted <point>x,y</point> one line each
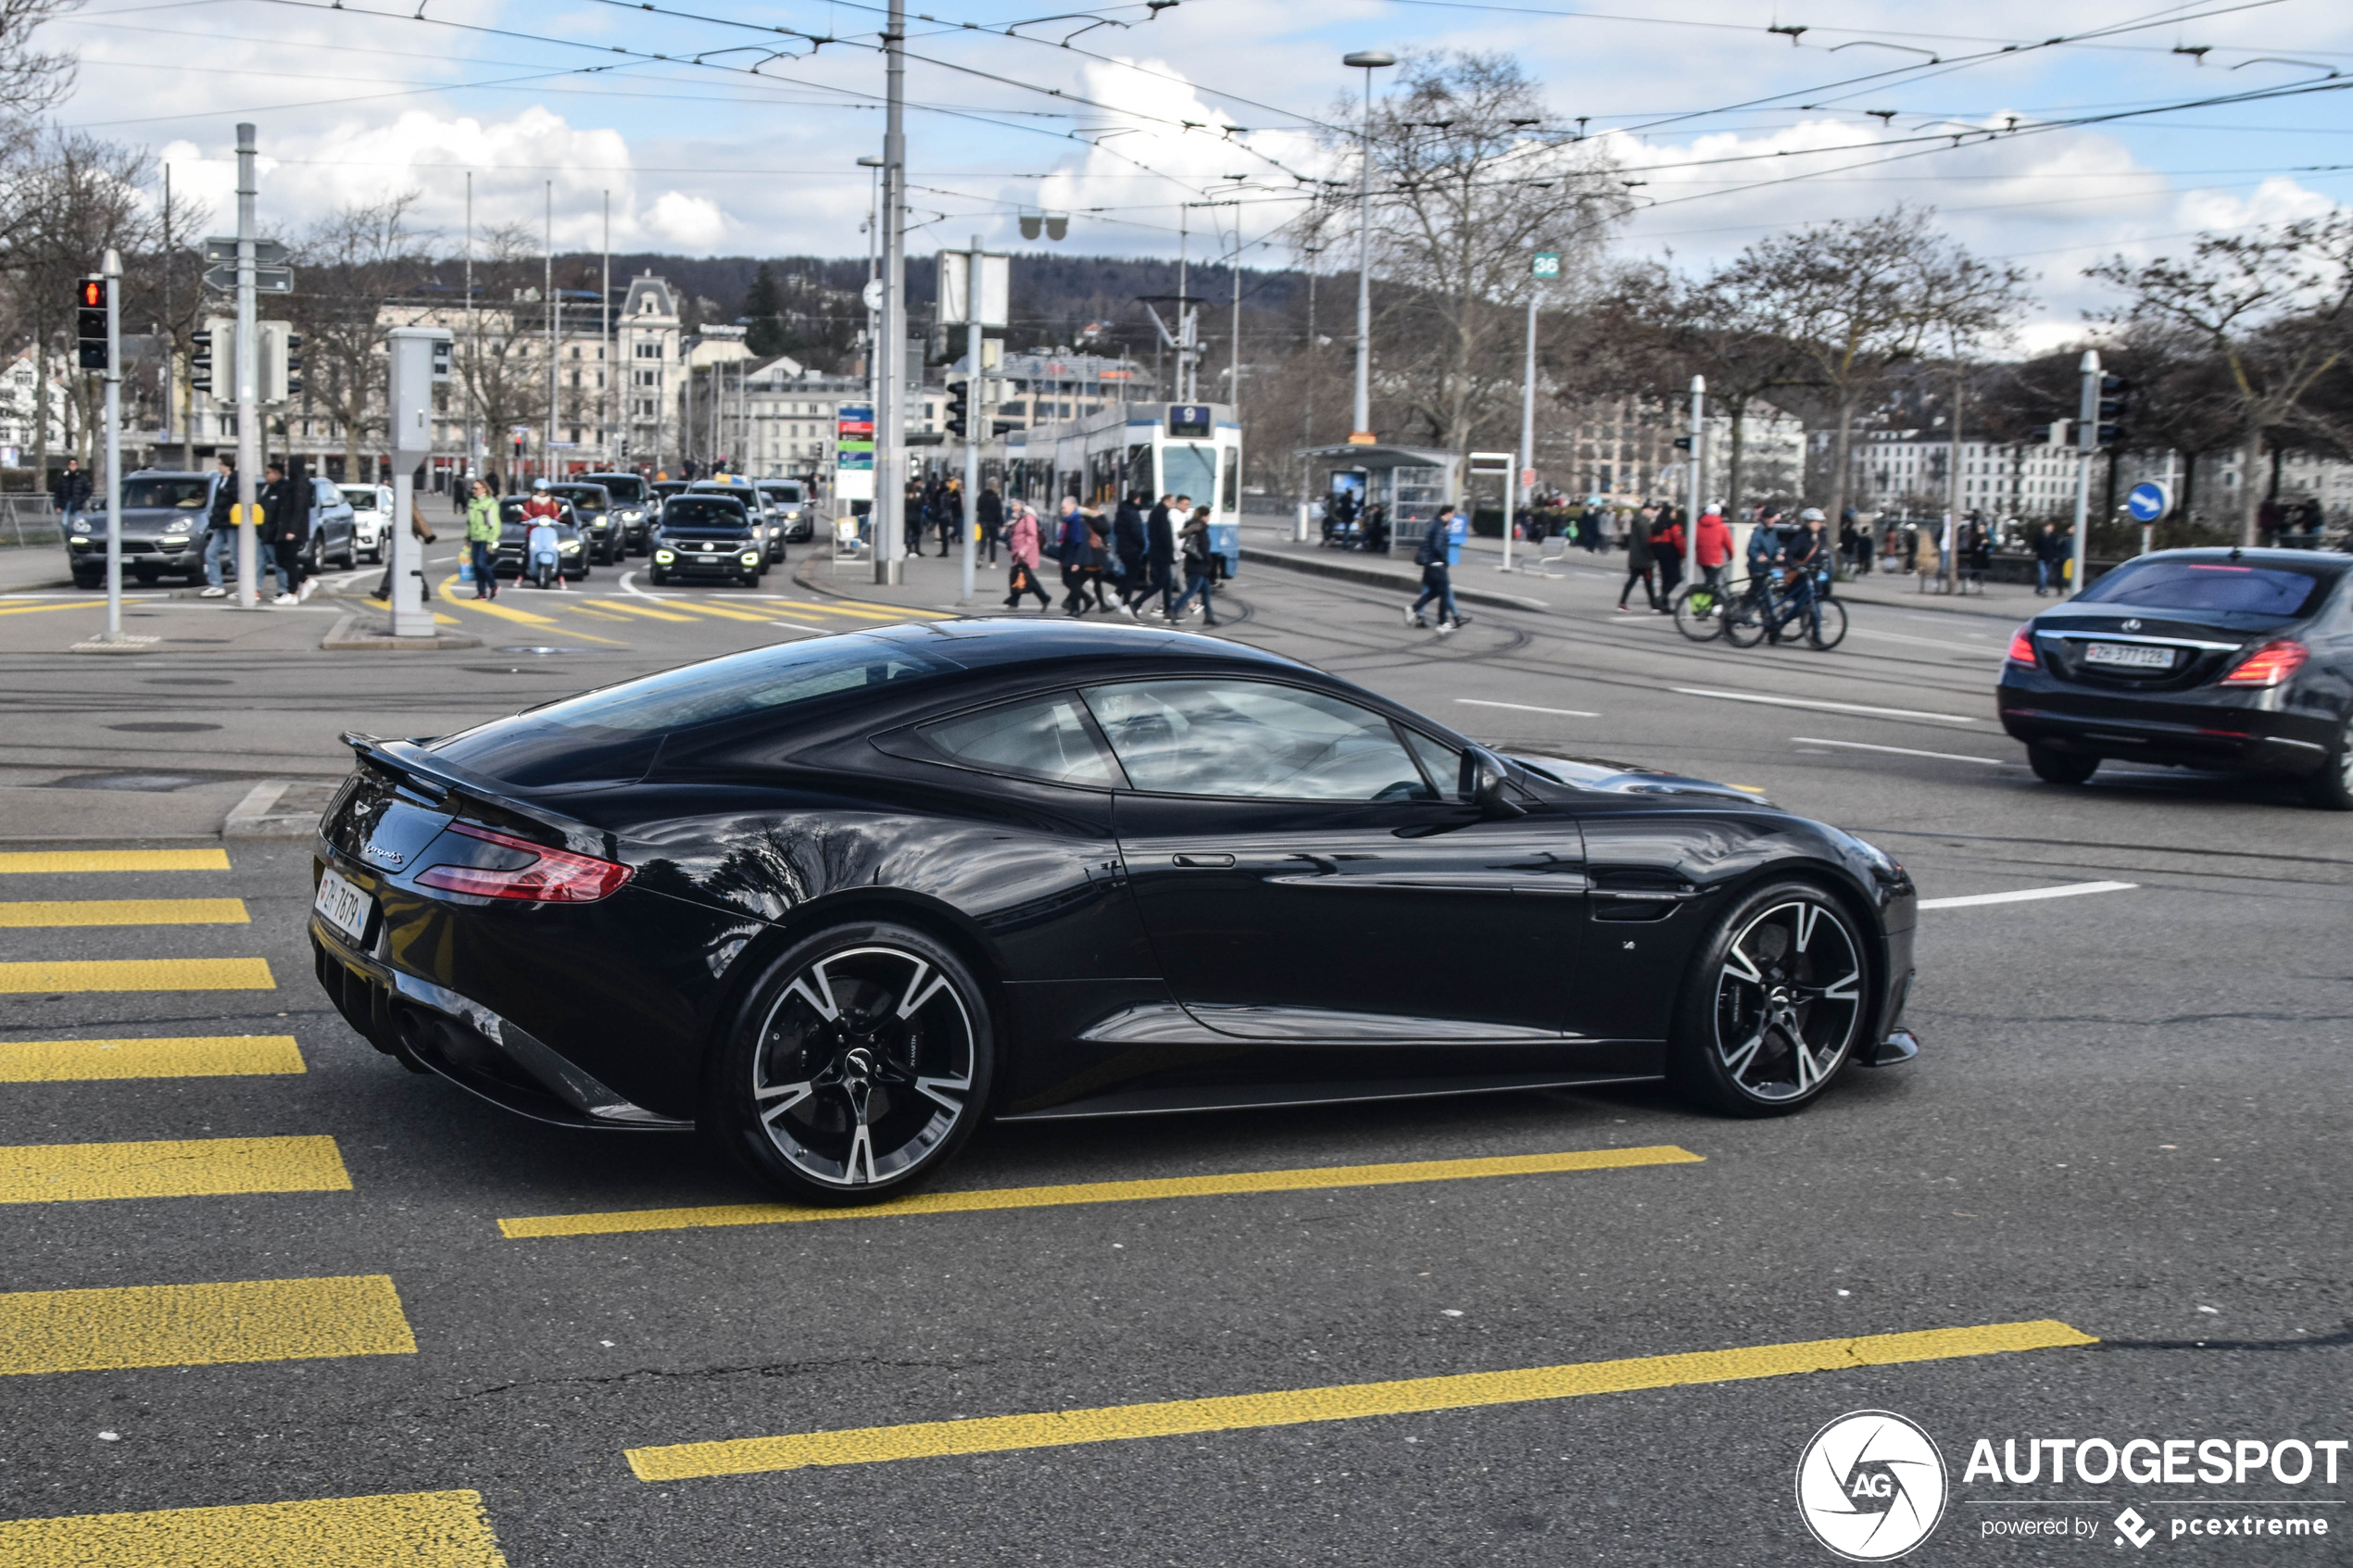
<point>2149,501</point>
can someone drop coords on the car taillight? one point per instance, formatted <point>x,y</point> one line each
<point>2269,665</point>
<point>2021,646</point>
<point>555,876</point>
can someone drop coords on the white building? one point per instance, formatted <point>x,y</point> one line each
<point>17,404</point>
<point>1910,470</point>
<point>1773,456</point>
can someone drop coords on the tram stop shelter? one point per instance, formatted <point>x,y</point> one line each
<point>1409,482</point>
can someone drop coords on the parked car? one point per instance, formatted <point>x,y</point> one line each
<point>593,504</point>
<point>370,519</point>
<point>633,506</point>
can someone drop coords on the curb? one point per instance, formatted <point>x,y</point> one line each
<point>1377,578</point>
<point>253,817</point>
<point>349,636</point>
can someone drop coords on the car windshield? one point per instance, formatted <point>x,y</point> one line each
<point>703,511</point>
<point>185,495</point>
<point>789,495</point>
<point>361,496</point>
<point>749,682</point>
<point>624,488</point>
<point>582,495</point>
<point>2210,585</point>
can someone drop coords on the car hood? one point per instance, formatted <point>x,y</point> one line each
<point>138,521</point>
<point>1624,777</point>
<point>675,533</point>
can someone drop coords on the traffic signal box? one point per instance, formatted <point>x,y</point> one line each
<point>959,408</point>
<point>90,323</point>
<point>2116,405</point>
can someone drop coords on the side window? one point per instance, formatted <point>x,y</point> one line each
<point>1443,763</point>
<point>1047,738</point>
<point>1252,740</point>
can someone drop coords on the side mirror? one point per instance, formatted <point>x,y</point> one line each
<point>1484,782</point>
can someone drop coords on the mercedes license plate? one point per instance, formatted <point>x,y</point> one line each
<point>343,905</point>
<point>2129,656</point>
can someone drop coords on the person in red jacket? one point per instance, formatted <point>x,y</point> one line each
<point>542,503</point>
<point>1712,547</point>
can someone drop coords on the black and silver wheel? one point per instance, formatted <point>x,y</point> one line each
<point>1829,626</point>
<point>859,1064</point>
<point>2331,789</point>
<point>2052,766</point>
<point>1745,619</point>
<point>1775,1003</point>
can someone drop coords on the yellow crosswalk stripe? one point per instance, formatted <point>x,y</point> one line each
<point>30,914</point>
<point>647,611</point>
<point>53,862</point>
<point>35,610</point>
<point>1347,1402</point>
<point>136,974</point>
<point>860,612</point>
<point>424,1529</point>
<point>601,612</point>
<point>191,1056</point>
<point>522,616</point>
<point>724,612</point>
<point>988,1199</point>
<point>264,1320</point>
<point>81,1172</point>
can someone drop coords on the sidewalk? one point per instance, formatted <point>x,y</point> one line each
<point>23,569</point>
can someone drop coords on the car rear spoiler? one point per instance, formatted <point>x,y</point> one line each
<point>456,789</point>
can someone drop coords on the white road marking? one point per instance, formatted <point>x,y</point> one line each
<point>1898,751</point>
<point>1927,642</point>
<point>1529,707</point>
<point>2027,895</point>
<point>1827,707</point>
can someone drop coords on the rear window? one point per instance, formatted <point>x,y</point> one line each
<point>742,683</point>
<point>703,511</point>
<point>2211,585</point>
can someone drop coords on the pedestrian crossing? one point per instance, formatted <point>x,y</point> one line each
<point>54,912</point>
<point>81,1173</point>
<point>567,613</point>
<point>427,1530</point>
<point>191,1056</point>
<point>210,1325</point>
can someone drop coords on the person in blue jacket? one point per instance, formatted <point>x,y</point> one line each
<point>1442,547</point>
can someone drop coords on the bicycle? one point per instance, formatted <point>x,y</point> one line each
<point>1700,608</point>
<point>1766,612</point>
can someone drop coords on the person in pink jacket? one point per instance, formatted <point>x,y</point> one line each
<point>1020,537</point>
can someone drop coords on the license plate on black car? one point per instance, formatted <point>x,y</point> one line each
<point>344,905</point>
<point>2129,656</point>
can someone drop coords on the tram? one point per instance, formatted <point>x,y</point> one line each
<point>1160,449</point>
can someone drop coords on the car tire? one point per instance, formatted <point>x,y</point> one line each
<point>1775,1003</point>
<point>86,583</point>
<point>855,1066</point>
<point>655,578</point>
<point>2331,789</point>
<point>2058,766</point>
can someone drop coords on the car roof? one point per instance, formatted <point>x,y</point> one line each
<point>1005,642</point>
<point>2317,562</point>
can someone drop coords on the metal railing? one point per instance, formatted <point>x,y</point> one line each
<point>27,521</point>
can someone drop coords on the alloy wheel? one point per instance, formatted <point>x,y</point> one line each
<point>864,1066</point>
<point>1789,1000</point>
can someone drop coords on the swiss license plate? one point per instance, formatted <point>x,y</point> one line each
<point>2129,656</point>
<point>343,905</point>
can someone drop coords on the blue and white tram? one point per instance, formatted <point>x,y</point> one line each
<point>1160,449</point>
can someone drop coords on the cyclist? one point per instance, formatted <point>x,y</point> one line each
<point>1806,554</point>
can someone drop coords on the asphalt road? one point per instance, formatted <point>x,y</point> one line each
<point>2129,1118</point>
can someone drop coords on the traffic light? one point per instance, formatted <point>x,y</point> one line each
<point>2116,402</point>
<point>200,363</point>
<point>959,408</point>
<point>90,323</point>
<point>280,367</point>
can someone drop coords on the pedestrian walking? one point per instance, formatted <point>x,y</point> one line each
<point>1130,546</point>
<point>1021,549</point>
<point>1441,547</point>
<point>1667,554</point>
<point>1076,554</point>
<point>1201,566</point>
<point>989,513</point>
<point>1926,560</point>
<point>70,492</point>
<point>419,529</point>
<point>284,528</point>
<point>221,530</point>
<point>1638,563</point>
<point>2048,552</point>
<point>1862,551</point>
<point>1160,551</point>
<point>481,539</point>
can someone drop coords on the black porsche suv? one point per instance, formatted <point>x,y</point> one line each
<point>2233,660</point>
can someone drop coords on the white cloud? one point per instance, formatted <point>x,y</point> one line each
<point>690,222</point>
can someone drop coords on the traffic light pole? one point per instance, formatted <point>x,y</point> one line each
<point>890,427</point>
<point>2087,445</point>
<point>972,417</point>
<point>111,270</point>
<point>248,371</point>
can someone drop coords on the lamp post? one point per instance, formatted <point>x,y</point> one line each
<point>1361,434</point>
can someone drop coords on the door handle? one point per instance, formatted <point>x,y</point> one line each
<point>1204,859</point>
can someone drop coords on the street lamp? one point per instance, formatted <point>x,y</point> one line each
<point>1368,61</point>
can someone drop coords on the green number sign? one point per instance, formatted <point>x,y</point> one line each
<point>1548,264</point>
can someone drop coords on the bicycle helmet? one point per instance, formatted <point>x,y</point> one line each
<point>1812,514</point>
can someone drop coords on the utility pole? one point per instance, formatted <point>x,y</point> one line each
<point>1234,354</point>
<point>890,499</point>
<point>1690,518</point>
<point>547,249</point>
<point>110,268</point>
<point>1368,61</point>
<point>605,372</point>
<point>975,414</point>
<point>1948,578</point>
<point>172,346</point>
<point>2087,444</point>
<point>1526,434</point>
<point>1186,390</point>
<point>474,344</point>
<point>248,374</point>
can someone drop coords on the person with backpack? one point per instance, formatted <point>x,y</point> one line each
<point>1127,548</point>
<point>1441,547</point>
<point>1638,562</point>
<point>1160,551</point>
<point>1201,566</point>
<point>1076,553</point>
<point>1667,554</point>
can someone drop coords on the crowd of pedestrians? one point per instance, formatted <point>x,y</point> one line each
<point>1127,564</point>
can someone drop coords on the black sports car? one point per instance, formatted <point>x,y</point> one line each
<point>2233,660</point>
<point>835,901</point>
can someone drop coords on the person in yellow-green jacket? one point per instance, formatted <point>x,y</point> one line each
<point>481,539</point>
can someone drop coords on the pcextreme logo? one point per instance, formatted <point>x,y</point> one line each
<point>1871,1485</point>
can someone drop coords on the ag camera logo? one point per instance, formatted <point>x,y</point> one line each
<point>1871,1485</point>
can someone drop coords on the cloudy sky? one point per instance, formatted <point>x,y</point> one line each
<point>717,127</point>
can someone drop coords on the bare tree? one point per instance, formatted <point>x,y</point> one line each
<point>74,199</point>
<point>354,260</point>
<point>2273,306</point>
<point>499,367</point>
<point>31,80</point>
<point>1858,300</point>
<point>1466,186</point>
